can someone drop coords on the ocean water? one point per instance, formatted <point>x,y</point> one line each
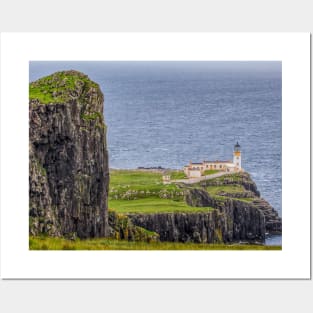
<point>168,113</point>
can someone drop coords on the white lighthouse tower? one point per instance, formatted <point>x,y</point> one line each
<point>237,157</point>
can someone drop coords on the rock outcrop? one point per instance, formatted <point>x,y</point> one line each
<point>68,160</point>
<point>273,223</point>
<point>241,178</point>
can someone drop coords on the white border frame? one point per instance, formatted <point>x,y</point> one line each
<point>292,262</point>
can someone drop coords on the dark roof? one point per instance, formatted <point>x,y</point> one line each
<point>237,145</point>
<point>218,161</point>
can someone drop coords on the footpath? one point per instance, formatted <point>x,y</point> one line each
<point>198,179</point>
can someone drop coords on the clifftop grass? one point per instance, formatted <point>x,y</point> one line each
<point>141,191</point>
<point>154,205</point>
<point>135,184</point>
<point>60,87</point>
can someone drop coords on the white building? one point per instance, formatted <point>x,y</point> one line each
<point>237,156</point>
<point>166,179</point>
<point>198,169</point>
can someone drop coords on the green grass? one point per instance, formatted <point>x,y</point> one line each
<point>214,190</point>
<point>49,243</point>
<point>58,86</point>
<point>92,116</point>
<point>143,191</point>
<point>177,175</point>
<point>154,205</point>
<point>210,172</point>
<point>229,189</point>
<point>134,178</point>
<point>134,184</point>
<point>231,177</point>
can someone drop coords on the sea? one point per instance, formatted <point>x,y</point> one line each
<point>167,113</point>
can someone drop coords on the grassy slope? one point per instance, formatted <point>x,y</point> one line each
<point>214,190</point>
<point>48,243</point>
<point>146,191</point>
<point>121,180</point>
<point>153,205</point>
<point>235,189</point>
<point>177,175</point>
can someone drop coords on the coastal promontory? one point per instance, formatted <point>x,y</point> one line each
<point>74,196</point>
<point>225,209</point>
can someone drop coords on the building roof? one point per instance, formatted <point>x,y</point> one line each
<point>217,161</point>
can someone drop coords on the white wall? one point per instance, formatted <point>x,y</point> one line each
<point>194,173</point>
<point>237,160</point>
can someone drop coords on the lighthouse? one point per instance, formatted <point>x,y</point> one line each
<point>237,156</point>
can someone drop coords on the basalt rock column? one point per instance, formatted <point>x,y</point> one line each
<point>68,159</point>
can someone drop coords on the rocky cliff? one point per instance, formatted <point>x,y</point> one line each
<point>122,228</point>
<point>237,223</point>
<point>237,214</point>
<point>68,160</point>
<point>249,197</point>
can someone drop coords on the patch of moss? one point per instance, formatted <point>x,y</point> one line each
<point>124,229</point>
<point>218,234</point>
<point>101,126</point>
<point>43,171</point>
<point>91,116</point>
<point>84,129</point>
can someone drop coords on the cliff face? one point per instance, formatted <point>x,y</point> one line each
<point>68,160</point>
<point>244,221</point>
<point>236,223</point>
<point>121,227</point>
<point>273,223</point>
